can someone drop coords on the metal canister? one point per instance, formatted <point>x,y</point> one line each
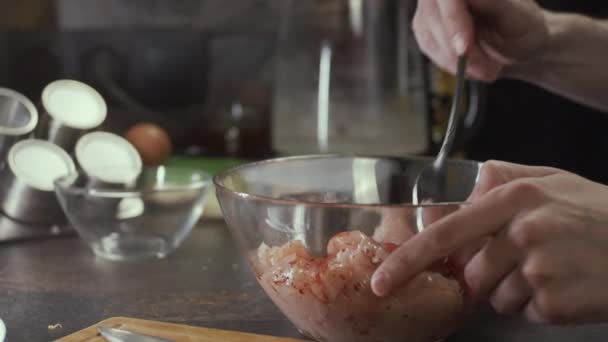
<point>27,182</point>
<point>70,110</point>
<point>18,118</point>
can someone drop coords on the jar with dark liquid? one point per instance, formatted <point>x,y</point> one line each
<point>236,123</point>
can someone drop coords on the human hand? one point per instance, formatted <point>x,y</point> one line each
<point>497,35</point>
<point>546,250</point>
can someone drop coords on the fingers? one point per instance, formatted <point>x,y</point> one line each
<point>562,294</point>
<point>547,264</point>
<point>464,256</point>
<point>467,225</point>
<point>532,314</point>
<point>544,276</point>
<point>559,303</point>
<point>444,29</point>
<point>431,37</point>
<point>494,270</point>
<point>458,24</point>
<point>512,294</point>
<point>534,228</point>
<point>478,29</point>
<point>432,214</point>
<point>513,171</point>
<point>495,173</point>
<point>489,9</point>
<point>443,238</point>
<point>568,302</point>
<point>490,266</point>
<point>481,66</point>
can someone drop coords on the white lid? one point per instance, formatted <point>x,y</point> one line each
<point>2,330</point>
<point>130,207</point>
<point>74,104</point>
<point>108,157</point>
<point>18,128</point>
<point>39,163</point>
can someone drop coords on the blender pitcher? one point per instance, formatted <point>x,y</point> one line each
<point>350,79</point>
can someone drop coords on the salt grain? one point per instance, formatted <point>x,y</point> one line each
<point>55,326</point>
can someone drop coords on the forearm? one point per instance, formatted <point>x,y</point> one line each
<point>574,62</point>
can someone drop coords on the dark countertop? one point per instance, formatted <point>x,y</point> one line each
<point>205,283</point>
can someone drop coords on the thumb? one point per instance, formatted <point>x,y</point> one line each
<point>457,17</point>
<point>458,24</point>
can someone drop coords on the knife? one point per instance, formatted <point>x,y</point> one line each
<point>119,335</point>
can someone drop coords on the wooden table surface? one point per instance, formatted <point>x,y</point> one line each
<point>205,283</point>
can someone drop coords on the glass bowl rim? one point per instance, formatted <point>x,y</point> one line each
<point>107,192</point>
<point>219,178</point>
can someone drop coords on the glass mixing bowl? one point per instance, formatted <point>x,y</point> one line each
<point>314,229</point>
<point>131,216</point>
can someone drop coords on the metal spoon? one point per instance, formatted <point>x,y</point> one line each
<point>428,186</point>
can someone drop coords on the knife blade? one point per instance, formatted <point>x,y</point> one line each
<point>120,335</point>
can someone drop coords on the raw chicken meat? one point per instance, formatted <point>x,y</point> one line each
<point>395,227</point>
<point>330,299</point>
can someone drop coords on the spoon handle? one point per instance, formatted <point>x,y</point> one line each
<point>455,112</point>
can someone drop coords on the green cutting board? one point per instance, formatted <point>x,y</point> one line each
<point>212,166</point>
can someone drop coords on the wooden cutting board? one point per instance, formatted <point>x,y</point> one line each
<point>175,332</point>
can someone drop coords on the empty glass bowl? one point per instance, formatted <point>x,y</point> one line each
<point>315,228</point>
<point>134,216</point>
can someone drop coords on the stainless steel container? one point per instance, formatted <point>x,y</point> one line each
<point>70,109</point>
<point>351,79</point>
<point>18,118</point>
<point>26,183</point>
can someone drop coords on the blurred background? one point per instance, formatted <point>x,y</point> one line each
<point>251,79</point>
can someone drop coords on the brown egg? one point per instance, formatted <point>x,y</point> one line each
<point>151,141</point>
